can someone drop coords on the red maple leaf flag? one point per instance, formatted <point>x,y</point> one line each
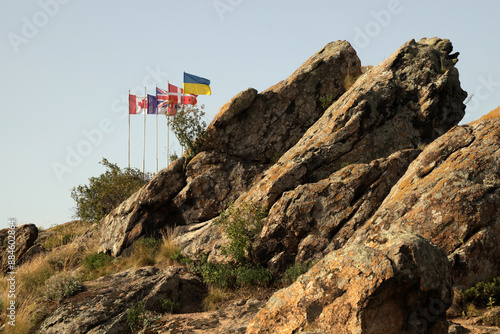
<point>137,104</point>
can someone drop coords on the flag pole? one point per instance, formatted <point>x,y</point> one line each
<point>129,128</point>
<point>144,145</point>
<point>168,124</point>
<point>156,133</point>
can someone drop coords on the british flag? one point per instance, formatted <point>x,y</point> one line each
<point>163,100</point>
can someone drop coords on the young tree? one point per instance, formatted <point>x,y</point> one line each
<point>188,126</point>
<point>95,200</point>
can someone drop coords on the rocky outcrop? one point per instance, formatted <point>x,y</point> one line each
<point>392,284</point>
<point>313,219</point>
<point>261,127</point>
<point>25,237</point>
<point>412,97</point>
<point>451,196</point>
<point>250,132</point>
<point>144,212</point>
<point>102,307</point>
<point>409,99</point>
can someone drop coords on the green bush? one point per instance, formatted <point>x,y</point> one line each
<point>189,128</point>
<point>96,260</point>
<point>135,316</point>
<point>292,273</point>
<point>482,293</point>
<point>230,276</point>
<point>169,306</point>
<point>96,200</point>
<point>241,225</point>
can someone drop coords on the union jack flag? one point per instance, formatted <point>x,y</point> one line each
<point>163,99</point>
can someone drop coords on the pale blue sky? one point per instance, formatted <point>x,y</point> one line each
<point>67,65</point>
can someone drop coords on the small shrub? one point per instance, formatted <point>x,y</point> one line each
<point>250,275</point>
<point>326,101</point>
<point>214,299</point>
<point>168,250</point>
<point>96,260</point>
<point>135,316</point>
<point>292,273</point>
<point>60,286</point>
<point>482,293</point>
<point>169,306</point>
<point>145,251</point>
<point>229,276</point>
<point>241,224</point>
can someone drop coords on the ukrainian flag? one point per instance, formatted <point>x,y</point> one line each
<point>196,85</point>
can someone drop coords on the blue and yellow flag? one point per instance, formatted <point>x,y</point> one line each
<point>196,85</point>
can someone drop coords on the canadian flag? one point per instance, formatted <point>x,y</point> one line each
<point>137,104</point>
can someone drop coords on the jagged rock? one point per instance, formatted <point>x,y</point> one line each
<point>102,307</point>
<point>313,219</point>
<point>451,195</point>
<point>214,180</point>
<point>25,238</point>
<point>253,130</point>
<point>394,283</point>
<point>261,127</point>
<point>412,97</point>
<point>146,211</point>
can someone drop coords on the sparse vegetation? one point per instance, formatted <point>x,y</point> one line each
<point>61,285</point>
<point>292,273</point>
<point>326,101</point>
<point>104,193</point>
<point>241,224</point>
<point>167,305</point>
<point>189,128</point>
<point>135,316</point>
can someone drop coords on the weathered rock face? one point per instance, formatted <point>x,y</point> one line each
<point>316,218</point>
<point>143,212</point>
<point>213,181</point>
<point>412,97</point>
<point>451,195</point>
<point>261,127</point>
<point>102,307</point>
<point>249,132</point>
<point>25,238</point>
<point>392,284</point>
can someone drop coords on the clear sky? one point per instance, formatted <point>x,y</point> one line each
<point>66,67</point>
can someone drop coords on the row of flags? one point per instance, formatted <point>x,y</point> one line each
<point>167,102</point>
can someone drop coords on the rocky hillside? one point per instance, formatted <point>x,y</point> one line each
<point>367,179</point>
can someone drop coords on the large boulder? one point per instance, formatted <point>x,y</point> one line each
<point>408,100</point>
<point>411,98</point>
<point>451,195</point>
<point>315,218</point>
<point>393,283</point>
<point>103,306</point>
<point>25,237</point>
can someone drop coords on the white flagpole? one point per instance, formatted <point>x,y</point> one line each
<point>144,146</point>
<point>168,124</point>
<point>129,128</point>
<point>156,133</point>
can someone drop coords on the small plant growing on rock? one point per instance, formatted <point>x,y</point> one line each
<point>169,306</point>
<point>241,224</point>
<point>292,273</point>
<point>189,128</point>
<point>135,316</point>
